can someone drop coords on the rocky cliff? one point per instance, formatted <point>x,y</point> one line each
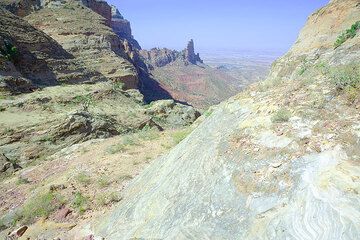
<point>82,29</point>
<point>85,35</point>
<point>157,57</point>
<point>39,60</point>
<point>189,53</point>
<point>122,27</point>
<point>278,161</point>
<point>184,76</point>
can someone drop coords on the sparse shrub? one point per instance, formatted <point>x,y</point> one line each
<point>46,138</point>
<point>118,86</point>
<point>208,112</point>
<point>83,178</point>
<point>349,33</point>
<point>114,197</point>
<point>22,180</point>
<point>346,76</point>
<point>103,182</point>
<point>303,68</point>
<point>125,178</point>
<point>10,52</point>
<point>80,202</point>
<point>352,94</point>
<point>39,206</point>
<point>85,101</point>
<point>178,136</point>
<point>106,199</point>
<point>149,134</point>
<point>282,115</point>
<point>126,141</point>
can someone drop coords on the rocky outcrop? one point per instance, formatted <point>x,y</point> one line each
<point>157,57</point>
<point>101,7</point>
<point>38,59</point>
<point>169,114</point>
<point>250,171</point>
<point>22,7</point>
<point>189,53</point>
<point>122,27</point>
<point>318,37</point>
<point>82,126</point>
<point>161,57</point>
<point>85,35</point>
<point>6,166</point>
<point>185,78</point>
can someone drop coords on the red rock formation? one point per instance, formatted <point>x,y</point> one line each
<point>190,55</point>
<point>161,57</point>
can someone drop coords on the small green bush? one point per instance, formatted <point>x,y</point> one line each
<point>282,115</point>
<point>103,182</point>
<point>39,206</point>
<point>10,52</point>
<point>349,33</point>
<point>83,178</point>
<point>346,76</point>
<point>178,136</point>
<point>147,134</point>
<point>120,147</point>
<point>85,101</point>
<point>80,202</point>
<point>118,86</point>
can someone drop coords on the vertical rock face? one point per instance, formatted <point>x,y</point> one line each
<point>100,7</point>
<point>122,27</point>
<point>190,55</point>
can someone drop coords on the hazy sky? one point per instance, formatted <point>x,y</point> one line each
<point>221,24</point>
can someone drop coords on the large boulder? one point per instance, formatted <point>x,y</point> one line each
<point>172,114</point>
<point>82,126</point>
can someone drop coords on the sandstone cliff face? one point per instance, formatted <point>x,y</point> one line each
<point>157,57</point>
<point>122,27</point>
<point>40,59</point>
<point>161,57</point>
<point>85,35</point>
<point>189,53</point>
<point>253,170</point>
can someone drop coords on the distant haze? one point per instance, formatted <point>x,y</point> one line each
<point>256,25</point>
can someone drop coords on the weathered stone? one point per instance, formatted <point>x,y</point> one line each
<point>7,166</point>
<point>17,233</point>
<point>122,27</point>
<point>87,37</point>
<point>189,53</point>
<point>170,114</point>
<point>161,57</point>
<point>62,214</point>
<point>82,126</point>
<point>40,60</point>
